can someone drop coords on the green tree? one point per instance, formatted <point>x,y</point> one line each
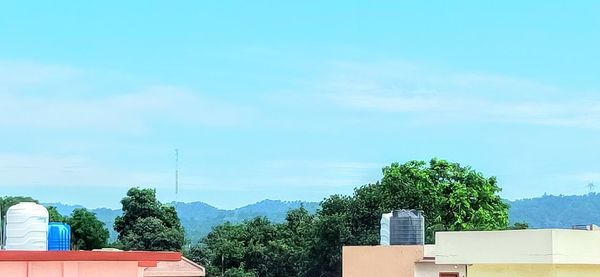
<point>87,231</point>
<point>146,224</point>
<point>222,249</point>
<point>55,216</point>
<point>239,272</point>
<point>453,197</point>
<point>291,249</point>
<point>258,247</point>
<point>332,230</point>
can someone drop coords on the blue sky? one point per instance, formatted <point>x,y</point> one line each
<point>293,100</point>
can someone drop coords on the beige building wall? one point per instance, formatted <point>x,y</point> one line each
<point>522,253</point>
<point>544,246</point>
<point>430,269</point>
<point>380,261</point>
<point>576,247</point>
<point>494,247</point>
<point>521,270</point>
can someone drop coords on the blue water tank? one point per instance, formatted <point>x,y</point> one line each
<point>59,236</point>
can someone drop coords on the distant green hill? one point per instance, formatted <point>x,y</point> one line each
<point>198,217</point>
<point>551,211</point>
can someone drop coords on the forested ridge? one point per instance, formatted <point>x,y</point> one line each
<point>557,211</point>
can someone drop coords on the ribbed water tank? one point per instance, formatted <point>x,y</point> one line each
<point>59,236</point>
<point>27,227</point>
<point>384,231</point>
<point>407,227</point>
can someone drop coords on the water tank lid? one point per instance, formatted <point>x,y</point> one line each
<point>25,204</point>
<point>407,213</point>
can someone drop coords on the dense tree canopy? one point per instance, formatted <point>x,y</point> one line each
<point>87,231</point>
<point>258,247</point>
<point>453,197</point>
<point>146,224</point>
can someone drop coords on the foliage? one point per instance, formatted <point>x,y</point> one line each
<point>55,216</point>
<point>452,197</point>
<point>239,272</point>
<point>87,231</point>
<point>258,247</point>
<point>332,229</point>
<point>146,224</point>
<point>519,226</point>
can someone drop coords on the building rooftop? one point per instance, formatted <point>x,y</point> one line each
<point>97,263</point>
<point>543,246</point>
<point>184,267</point>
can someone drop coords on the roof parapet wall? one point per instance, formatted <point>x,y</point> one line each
<point>543,246</point>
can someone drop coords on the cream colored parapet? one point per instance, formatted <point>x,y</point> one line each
<point>576,247</point>
<point>544,246</point>
<point>429,251</point>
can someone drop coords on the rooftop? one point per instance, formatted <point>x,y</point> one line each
<point>144,258</point>
<point>543,246</point>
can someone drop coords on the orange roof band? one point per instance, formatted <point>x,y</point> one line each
<point>144,258</point>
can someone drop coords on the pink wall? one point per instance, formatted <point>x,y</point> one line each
<point>381,261</point>
<point>70,269</point>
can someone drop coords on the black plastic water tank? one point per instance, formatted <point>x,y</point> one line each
<point>407,227</point>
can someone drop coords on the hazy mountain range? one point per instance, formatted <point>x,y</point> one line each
<point>198,218</point>
<point>551,211</point>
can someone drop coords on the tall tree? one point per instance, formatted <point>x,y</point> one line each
<point>332,230</point>
<point>453,197</point>
<point>146,224</point>
<point>291,249</point>
<point>87,231</point>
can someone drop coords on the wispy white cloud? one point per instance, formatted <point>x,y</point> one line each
<point>54,104</point>
<point>52,170</point>
<point>22,75</point>
<point>465,97</point>
<point>567,113</point>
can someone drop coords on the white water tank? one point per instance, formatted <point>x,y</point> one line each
<point>27,227</point>
<point>384,232</point>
